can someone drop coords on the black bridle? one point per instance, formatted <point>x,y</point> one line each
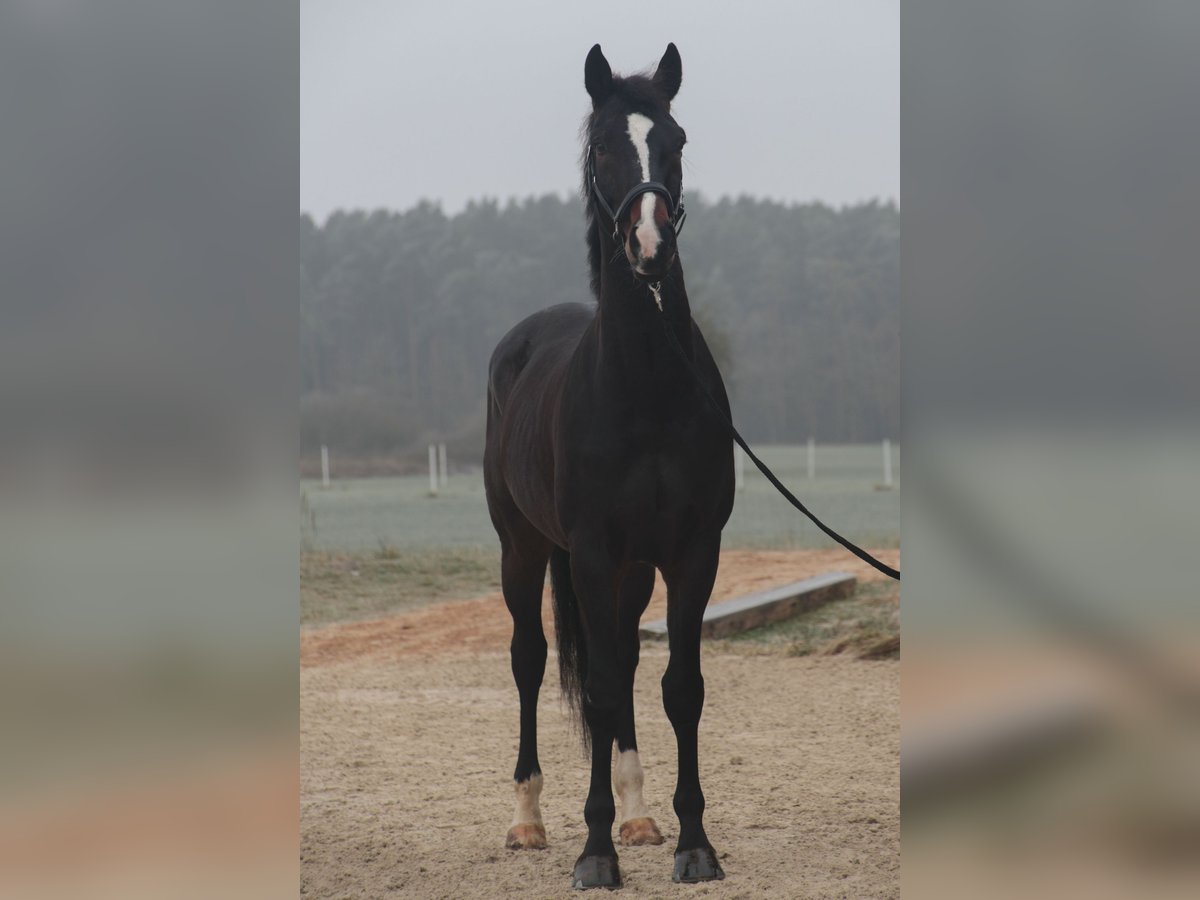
<point>675,211</point>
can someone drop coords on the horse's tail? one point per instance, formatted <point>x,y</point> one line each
<point>572,647</point>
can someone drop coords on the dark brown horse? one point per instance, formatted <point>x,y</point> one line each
<point>604,460</point>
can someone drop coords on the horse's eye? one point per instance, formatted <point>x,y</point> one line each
<point>600,148</point>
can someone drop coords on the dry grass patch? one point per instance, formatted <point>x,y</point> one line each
<point>340,586</point>
<point>865,625</point>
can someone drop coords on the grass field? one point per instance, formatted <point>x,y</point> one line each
<point>373,546</point>
<point>340,586</point>
<point>397,515</point>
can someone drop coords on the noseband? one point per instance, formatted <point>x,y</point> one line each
<point>675,211</point>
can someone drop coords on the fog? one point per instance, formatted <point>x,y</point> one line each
<point>794,101</point>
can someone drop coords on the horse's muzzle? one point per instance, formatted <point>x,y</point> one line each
<point>650,242</point>
<point>655,268</point>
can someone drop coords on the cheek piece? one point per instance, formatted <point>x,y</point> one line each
<point>675,211</point>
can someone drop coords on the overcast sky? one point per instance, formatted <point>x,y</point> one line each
<point>408,99</point>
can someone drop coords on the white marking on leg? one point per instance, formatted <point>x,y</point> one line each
<point>529,808</point>
<point>627,780</point>
<point>647,233</point>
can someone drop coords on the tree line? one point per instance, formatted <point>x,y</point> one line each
<point>399,312</point>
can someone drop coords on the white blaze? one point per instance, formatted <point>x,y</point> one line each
<point>639,130</point>
<point>627,779</point>
<point>647,233</point>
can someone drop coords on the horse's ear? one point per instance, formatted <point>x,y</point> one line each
<point>669,73</point>
<point>597,76</point>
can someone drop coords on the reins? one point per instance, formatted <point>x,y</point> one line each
<point>676,217</point>
<point>655,289</point>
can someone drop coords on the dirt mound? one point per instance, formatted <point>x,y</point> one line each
<point>472,626</point>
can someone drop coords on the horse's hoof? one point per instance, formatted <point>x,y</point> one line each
<point>526,837</point>
<point>697,865</point>
<point>640,831</point>
<point>596,872</point>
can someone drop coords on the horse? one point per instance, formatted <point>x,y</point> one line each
<point>604,461</point>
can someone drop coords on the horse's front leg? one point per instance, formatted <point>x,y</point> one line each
<point>636,824</point>
<point>689,584</point>
<point>594,578</point>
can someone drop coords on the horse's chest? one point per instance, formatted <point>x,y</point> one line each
<point>659,485</point>
<point>645,481</point>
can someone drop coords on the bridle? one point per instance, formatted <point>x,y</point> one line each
<point>675,211</point>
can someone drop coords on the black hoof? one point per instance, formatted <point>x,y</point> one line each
<point>697,865</point>
<point>596,872</point>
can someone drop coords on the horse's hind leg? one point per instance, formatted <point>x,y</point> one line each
<point>637,827</point>
<point>522,575</point>
<point>596,584</point>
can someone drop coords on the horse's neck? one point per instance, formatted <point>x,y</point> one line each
<point>631,324</point>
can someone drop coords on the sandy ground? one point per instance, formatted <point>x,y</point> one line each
<point>409,735</point>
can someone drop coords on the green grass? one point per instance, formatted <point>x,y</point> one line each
<point>374,546</point>
<point>358,515</point>
<point>339,586</point>
<point>866,625</point>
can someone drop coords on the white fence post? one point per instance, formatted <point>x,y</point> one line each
<point>812,458</point>
<point>433,475</point>
<point>443,469</point>
<point>739,467</point>
<point>324,466</point>
<point>887,462</point>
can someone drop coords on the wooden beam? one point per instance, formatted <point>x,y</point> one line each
<point>761,608</point>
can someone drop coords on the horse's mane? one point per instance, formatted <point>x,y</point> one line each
<point>636,91</point>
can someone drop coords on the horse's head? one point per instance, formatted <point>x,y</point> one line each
<point>633,166</point>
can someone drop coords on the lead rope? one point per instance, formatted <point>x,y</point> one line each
<point>656,290</point>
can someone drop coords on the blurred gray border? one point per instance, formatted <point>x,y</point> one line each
<point>1051,203</point>
<point>148,357</point>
